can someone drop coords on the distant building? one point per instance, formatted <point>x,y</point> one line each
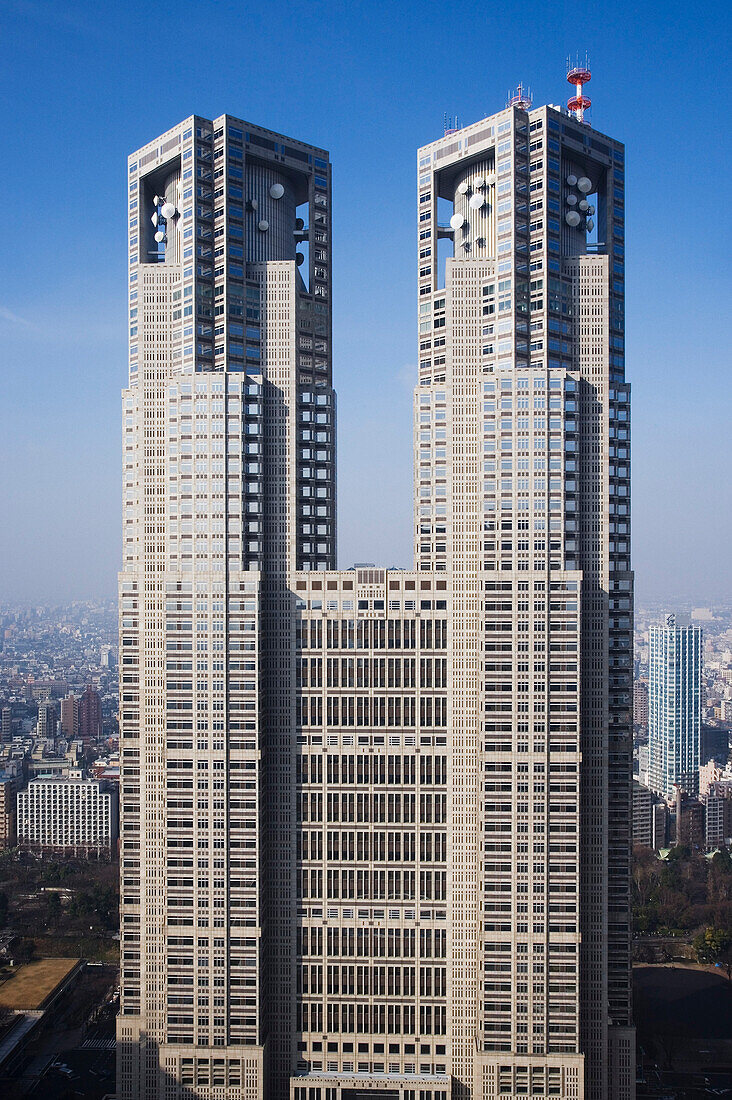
<point>715,741</point>
<point>660,823</point>
<point>107,657</point>
<point>640,703</point>
<point>650,818</point>
<point>47,721</point>
<point>8,792</point>
<point>702,615</point>
<point>6,724</point>
<point>71,816</point>
<point>90,715</point>
<point>643,764</point>
<point>689,821</point>
<point>642,815</point>
<point>718,815</point>
<point>674,706</point>
<point>70,717</point>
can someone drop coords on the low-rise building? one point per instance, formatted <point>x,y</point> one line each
<point>74,816</point>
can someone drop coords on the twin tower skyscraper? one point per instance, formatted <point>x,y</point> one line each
<point>375,823</point>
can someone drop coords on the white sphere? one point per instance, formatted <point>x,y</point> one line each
<point>584,206</point>
<point>584,185</point>
<point>572,218</point>
<point>572,180</point>
<point>456,221</point>
<point>276,190</point>
<point>263,226</point>
<point>168,209</point>
<point>571,200</point>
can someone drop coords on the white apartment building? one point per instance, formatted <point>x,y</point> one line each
<point>74,816</point>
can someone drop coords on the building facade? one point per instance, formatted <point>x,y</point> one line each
<point>70,717</point>
<point>674,707</point>
<point>8,813</point>
<point>90,714</point>
<point>71,816</point>
<point>376,823</point>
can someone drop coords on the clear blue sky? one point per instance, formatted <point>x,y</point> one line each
<point>83,84</point>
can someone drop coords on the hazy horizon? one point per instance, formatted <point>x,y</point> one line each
<point>376,98</point>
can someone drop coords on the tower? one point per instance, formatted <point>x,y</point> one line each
<point>674,707</point>
<point>522,500</point>
<point>228,484</point>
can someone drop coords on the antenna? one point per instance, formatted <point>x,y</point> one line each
<point>521,98</point>
<point>451,125</point>
<point>579,75</point>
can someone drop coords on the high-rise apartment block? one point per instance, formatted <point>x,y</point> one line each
<point>674,706</point>
<point>70,717</point>
<point>90,714</point>
<point>376,823</point>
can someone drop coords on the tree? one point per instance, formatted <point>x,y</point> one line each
<point>712,944</point>
<point>53,909</point>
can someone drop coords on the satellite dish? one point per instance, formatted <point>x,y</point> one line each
<point>263,225</point>
<point>254,204</point>
<point>571,200</point>
<point>299,224</point>
<point>160,236</point>
<point>590,225</point>
<point>154,218</point>
<point>480,241</point>
<point>572,218</point>
<point>584,185</point>
<point>476,201</point>
<point>480,182</point>
<point>276,190</point>
<point>456,221</point>
<point>463,187</point>
<point>299,258</point>
<point>572,181</point>
<point>168,209</point>
<point>590,210</point>
<point>584,206</point>
<point>157,200</point>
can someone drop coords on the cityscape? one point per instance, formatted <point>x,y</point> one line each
<point>396,767</point>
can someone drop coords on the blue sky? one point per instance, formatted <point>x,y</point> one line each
<point>83,84</point>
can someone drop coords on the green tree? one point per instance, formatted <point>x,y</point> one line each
<point>712,944</point>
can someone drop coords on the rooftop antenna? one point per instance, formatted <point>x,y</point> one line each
<point>521,98</point>
<point>451,125</point>
<point>579,75</point>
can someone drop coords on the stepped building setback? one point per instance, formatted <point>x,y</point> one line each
<point>376,823</point>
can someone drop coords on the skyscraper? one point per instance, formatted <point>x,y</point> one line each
<point>229,427</point>
<point>674,707</point>
<point>375,829</point>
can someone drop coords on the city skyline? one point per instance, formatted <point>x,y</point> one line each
<point>54,339</point>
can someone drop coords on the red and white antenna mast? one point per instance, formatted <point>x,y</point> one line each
<point>579,76</point>
<point>521,98</point>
